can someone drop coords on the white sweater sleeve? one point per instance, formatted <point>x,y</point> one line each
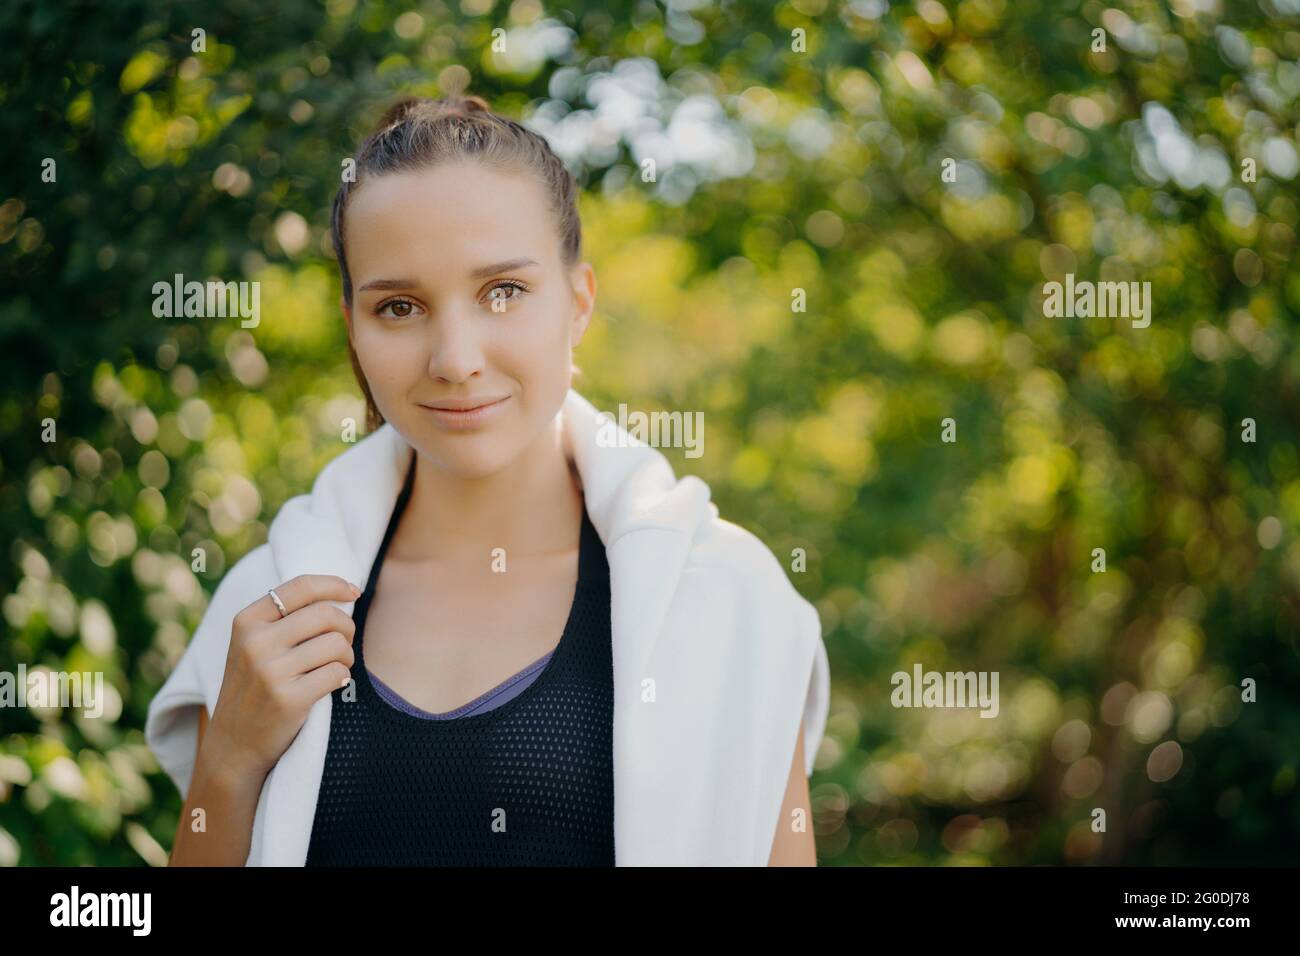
<point>817,705</point>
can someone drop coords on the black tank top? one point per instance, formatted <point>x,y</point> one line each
<point>528,783</point>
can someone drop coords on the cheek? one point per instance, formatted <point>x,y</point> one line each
<point>536,344</point>
<point>559,325</point>
<point>386,361</point>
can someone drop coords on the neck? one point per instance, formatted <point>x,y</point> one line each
<point>531,506</point>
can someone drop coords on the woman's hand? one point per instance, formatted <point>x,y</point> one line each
<point>276,669</point>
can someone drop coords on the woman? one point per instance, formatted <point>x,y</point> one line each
<point>561,655</point>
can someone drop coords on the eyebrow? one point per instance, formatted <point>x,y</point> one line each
<point>388,285</point>
<point>482,272</point>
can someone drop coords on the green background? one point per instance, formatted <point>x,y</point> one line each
<point>816,169</point>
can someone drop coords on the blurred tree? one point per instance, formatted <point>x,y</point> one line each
<point>913,174</point>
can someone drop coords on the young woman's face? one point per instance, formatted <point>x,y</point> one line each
<point>460,296</point>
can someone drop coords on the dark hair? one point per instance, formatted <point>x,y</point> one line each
<point>416,133</point>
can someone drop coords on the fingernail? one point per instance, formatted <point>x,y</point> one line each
<point>355,590</point>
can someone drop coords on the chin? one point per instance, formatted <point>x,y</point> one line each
<point>467,456</point>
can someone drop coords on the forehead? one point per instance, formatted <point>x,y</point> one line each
<point>447,216</point>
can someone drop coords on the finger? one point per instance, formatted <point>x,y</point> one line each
<point>326,679</point>
<point>297,593</point>
<point>308,622</point>
<point>316,652</point>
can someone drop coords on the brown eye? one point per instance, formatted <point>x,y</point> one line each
<point>507,291</point>
<point>401,308</point>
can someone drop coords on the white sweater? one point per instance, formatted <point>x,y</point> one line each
<point>716,655</point>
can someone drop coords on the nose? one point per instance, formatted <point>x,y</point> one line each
<point>457,351</point>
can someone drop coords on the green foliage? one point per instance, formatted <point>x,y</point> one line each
<point>1120,690</point>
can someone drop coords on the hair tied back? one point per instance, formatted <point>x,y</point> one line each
<point>464,105</point>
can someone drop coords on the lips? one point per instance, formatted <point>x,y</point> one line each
<point>464,404</point>
<point>476,414</point>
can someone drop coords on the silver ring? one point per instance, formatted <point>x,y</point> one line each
<point>284,611</point>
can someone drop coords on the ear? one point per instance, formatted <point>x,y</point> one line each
<point>347,314</point>
<point>582,282</point>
